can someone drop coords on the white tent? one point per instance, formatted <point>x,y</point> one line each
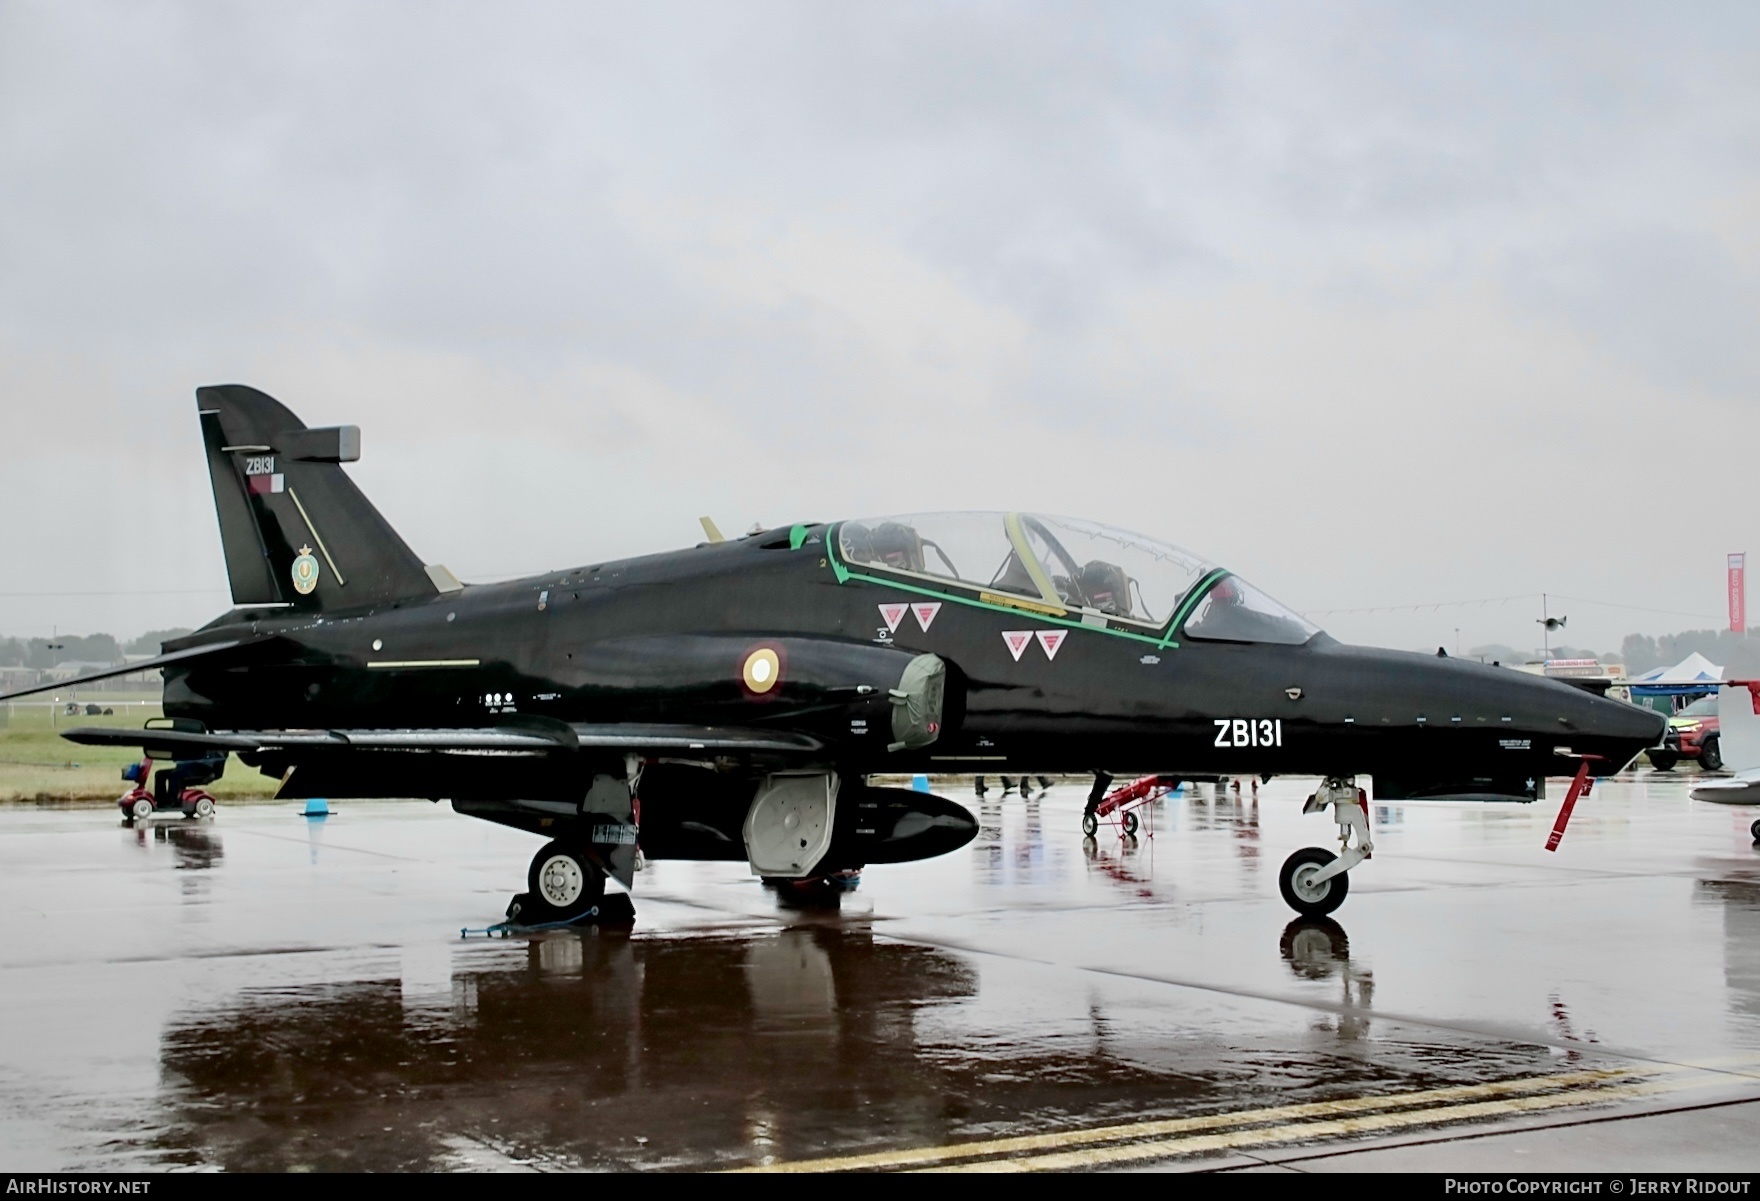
<point>1691,674</point>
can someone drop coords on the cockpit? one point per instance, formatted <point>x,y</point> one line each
<point>1071,568</point>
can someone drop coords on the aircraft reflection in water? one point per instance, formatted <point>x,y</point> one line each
<point>1319,949</point>
<point>596,1049</point>
<point>542,1053</point>
<point>733,700</point>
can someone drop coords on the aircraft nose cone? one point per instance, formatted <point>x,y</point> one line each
<point>1615,730</point>
<point>1620,720</point>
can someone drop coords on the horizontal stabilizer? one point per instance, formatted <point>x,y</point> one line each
<point>126,669</point>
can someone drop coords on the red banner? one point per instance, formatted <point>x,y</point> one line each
<point>1738,594</point>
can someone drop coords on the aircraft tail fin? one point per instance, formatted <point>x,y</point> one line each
<point>294,528</point>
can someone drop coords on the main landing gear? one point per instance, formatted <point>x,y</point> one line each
<point>566,883</point>
<point>1313,880</point>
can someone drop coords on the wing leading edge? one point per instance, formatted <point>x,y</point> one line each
<point>549,738</point>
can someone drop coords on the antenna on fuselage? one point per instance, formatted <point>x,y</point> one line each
<point>710,530</point>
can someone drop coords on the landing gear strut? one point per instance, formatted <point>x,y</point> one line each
<point>1313,880</point>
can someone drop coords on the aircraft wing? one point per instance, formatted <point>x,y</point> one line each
<point>535,738</point>
<point>191,652</point>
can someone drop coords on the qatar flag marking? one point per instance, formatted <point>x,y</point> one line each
<point>1051,640</point>
<point>1018,641</point>
<point>925,614</point>
<point>892,615</point>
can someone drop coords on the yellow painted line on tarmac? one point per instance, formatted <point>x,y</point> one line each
<point>1236,1140</point>
<point>1033,1146</point>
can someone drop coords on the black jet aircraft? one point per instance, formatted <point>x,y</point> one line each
<point>734,700</point>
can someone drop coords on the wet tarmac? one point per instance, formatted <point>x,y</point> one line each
<point>269,992</point>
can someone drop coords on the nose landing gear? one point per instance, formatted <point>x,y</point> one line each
<point>1313,880</point>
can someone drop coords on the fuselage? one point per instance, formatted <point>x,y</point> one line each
<point>671,638</point>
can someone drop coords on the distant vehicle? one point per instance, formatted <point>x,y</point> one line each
<point>1693,733</point>
<point>178,788</point>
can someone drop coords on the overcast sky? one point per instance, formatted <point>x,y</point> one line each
<point>1376,304</point>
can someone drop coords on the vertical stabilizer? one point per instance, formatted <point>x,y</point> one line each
<point>293,526</point>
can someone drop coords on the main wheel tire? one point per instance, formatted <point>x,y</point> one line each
<point>1662,762</point>
<point>1311,900</point>
<point>1755,831</point>
<point>1128,823</point>
<point>143,809</point>
<point>1711,756</point>
<point>204,806</point>
<point>564,882</point>
<point>1090,824</point>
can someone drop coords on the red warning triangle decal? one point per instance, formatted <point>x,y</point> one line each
<point>1051,640</point>
<point>892,615</point>
<point>1018,641</point>
<point>925,613</point>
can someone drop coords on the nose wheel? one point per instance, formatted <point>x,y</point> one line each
<point>1307,895</point>
<point>1313,880</point>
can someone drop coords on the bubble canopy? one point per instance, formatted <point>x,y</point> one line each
<point>1072,565</point>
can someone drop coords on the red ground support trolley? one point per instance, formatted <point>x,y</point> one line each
<point>1121,804</point>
